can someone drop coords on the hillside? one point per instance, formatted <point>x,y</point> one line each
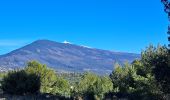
<point>65,57</point>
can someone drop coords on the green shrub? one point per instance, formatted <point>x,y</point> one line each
<point>20,82</point>
<point>2,74</point>
<point>49,81</point>
<point>129,82</point>
<point>62,87</point>
<point>35,78</point>
<point>92,86</point>
<point>156,62</point>
<point>47,76</point>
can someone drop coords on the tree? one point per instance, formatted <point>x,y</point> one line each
<point>130,82</point>
<point>19,82</point>
<point>155,60</point>
<point>145,83</point>
<point>47,76</point>
<point>35,78</point>
<point>122,79</point>
<point>92,86</point>
<point>62,87</point>
<point>50,82</point>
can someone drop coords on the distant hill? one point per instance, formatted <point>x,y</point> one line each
<point>65,57</point>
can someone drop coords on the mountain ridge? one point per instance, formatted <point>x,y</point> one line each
<point>65,56</point>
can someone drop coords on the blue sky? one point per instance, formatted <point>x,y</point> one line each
<point>117,25</point>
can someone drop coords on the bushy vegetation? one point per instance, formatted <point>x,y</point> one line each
<point>129,84</point>
<point>20,82</point>
<point>156,62</point>
<point>147,78</point>
<point>143,79</point>
<point>92,86</point>
<point>35,78</point>
<point>47,76</point>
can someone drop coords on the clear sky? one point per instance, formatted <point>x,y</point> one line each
<point>117,25</point>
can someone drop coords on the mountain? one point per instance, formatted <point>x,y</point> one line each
<point>65,57</point>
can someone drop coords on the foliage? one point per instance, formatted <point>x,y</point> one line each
<point>156,62</point>
<point>47,76</point>
<point>50,83</point>
<point>2,74</point>
<point>129,82</point>
<point>122,79</point>
<point>93,86</point>
<point>62,87</point>
<point>19,82</point>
